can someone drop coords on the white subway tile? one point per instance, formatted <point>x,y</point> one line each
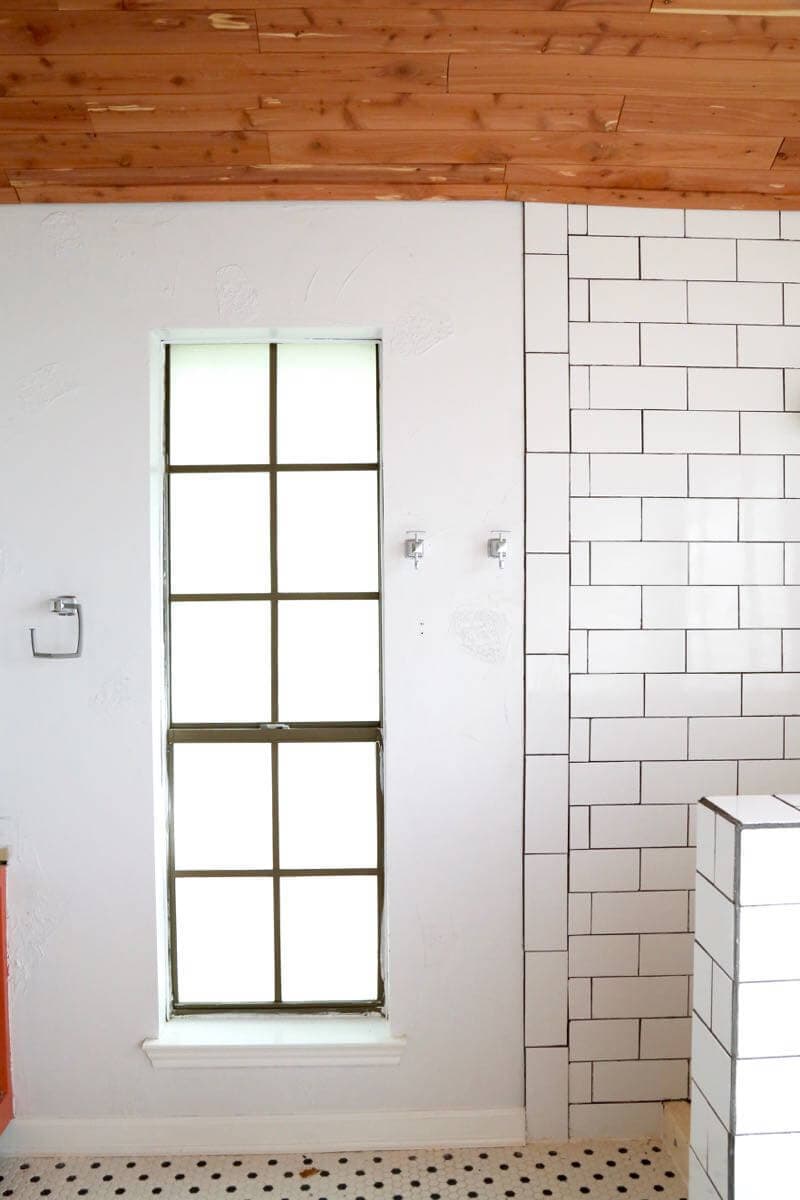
<point>711,1070</point>
<point>579,907</point>
<point>579,387</point>
<point>791,390</point>
<point>579,563</point>
<point>736,303</point>
<point>606,519</point>
<point>791,300</point>
<point>579,299</point>
<point>691,432</point>
<point>691,695</point>
<point>604,783</point>
<point>689,520</point>
<point>710,1139</point>
<point>606,607</point>
<point>547,401</point>
<point>636,650</point>
<point>579,651</point>
<point>596,1041</point>
<point>604,343</point>
<point>712,223</point>
<point>767,1095</point>
<point>769,942</point>
<point>611,1120</point>
<point>545,902</point>
<point>722,1007</point>
<point>765,346</point>
<point>639,222</point>
<point>735,475</point>
<point>769,520</point>
<point>644,825</point>
<point>666,953</point>
<point>604,870</point>
<point>769,260</point>
<point>791,562</point>
<point>733,650</point>
<point>724,855</point>
<point>547,708</point>
<point>768,866</point>
<point>791,650</point>
<point>604,257</point>
<point>689,345</point>
<point>546,804</point>
<point>643,1080</point>
<point>763,1163</point>
<point>701,983</point>
<point>667,868</point>
<point>689,258</point>
<point>579,474</point>
<point>770,607</point>
<point>686,782</point>
<point>706,833</point>
<point>546,998</point>
<point>637,387</point>
<point>690,607</point>
<point>545,228</point>
<point>715,923</point>
<point>776,775</point>
<point>546,1092</point>
<point>667,1037</point>
<point>653,996</point>
<point>790,225</point>
<point>771,433</point>
<point>638,300</point>
<point>732,562</point>
<point>578,828</point>
<point>638,475</point>
<point>604,954</point>
<point>639,562</point>
<point>643,912</point>
<point>547,604</point>
<point>547,487</point>
<point>735,737</point>
<point>607,696</point>
<point>580,999</point>
<point>771,695</point>
<point>546,303</point>
<point>619,739</point>
<point>739,389</point>
<point>606,430</point>
<point>577,219</point>
<point>580,1082</point>
<point>579,740</point>
<point>792,478</point>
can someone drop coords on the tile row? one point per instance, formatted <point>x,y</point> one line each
<point>720,694</point>
<point>547,225</point>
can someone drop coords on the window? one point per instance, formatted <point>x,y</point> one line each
<point>273,651</point>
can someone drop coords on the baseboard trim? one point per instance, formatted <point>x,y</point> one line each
<point>316,1132</point>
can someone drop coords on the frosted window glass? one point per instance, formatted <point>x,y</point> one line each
<point>220,661</point>
<point>219,540</point>
<point>328,660</point>
<point>329,938</point>
<point>328,531</point>
<point>225,940</point>
<point>222,806</point>
<point>328,805</point>
<point>219,404</point>
<point>327,403</point>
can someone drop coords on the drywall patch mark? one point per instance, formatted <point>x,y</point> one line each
<point>419,329</point>
<point>40,390</point>
<point>237,299</point>
<point>483,633</point>
<point>113,694</point>
<point>62,233</point>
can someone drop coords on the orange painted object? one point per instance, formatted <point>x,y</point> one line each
<point>6,1095</point>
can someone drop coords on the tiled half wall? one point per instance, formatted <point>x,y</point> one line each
<point>663,619</point>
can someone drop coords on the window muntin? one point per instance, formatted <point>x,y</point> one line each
<point>273,623</point>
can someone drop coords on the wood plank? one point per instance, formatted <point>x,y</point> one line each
<point>676,114</point>
<point>788,157</point>
<point>135,114</point>
<point>783,8</point>
<point>397,147</point>
<point>417,30</point>
<point>163,32</point>
<point>37,150</point>
<point>66,194</point>
<point>438,112</point>
<point>260,174</point>
<point>633,198</point>
<point>43,114</point>
<point>653,178</point>
<point>218,74</point>
<point>8,196</point>
<point>641,6</point>
<point>633,76</point>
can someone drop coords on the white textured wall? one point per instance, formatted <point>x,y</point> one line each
<point>82,290</point>
<point>663,635</point>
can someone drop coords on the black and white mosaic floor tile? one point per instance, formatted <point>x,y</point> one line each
<point>598,1170</point>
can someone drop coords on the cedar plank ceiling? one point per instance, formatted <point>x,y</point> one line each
<point>663,102</point>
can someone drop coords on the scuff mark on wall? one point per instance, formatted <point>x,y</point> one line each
<point>62,233</point>
<point>483,633</point>
<point>419,329</point>
<point>37,392</point>
<point>237,298</point>
<point>114,693</point>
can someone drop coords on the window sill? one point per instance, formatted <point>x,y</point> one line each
<point>279,1041</point>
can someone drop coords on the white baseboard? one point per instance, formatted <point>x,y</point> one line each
<point>314,1133</point>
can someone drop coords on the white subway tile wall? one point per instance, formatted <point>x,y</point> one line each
<point>663,619</point>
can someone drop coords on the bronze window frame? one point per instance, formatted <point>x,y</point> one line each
<point>265,732</point>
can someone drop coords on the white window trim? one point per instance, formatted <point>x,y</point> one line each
<point>275,1041</point>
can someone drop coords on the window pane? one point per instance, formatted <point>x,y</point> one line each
<point>328,805</point>
<point>329,933</point>
<point>219,537</point>
<point>220,661</point>
<point>327,403</point>
<point>328,660</point>
<point>328,531</point>
<point>225,940</point>
<point>219,404</point>
<point>222,806</point>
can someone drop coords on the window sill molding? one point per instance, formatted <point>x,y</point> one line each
<point>308,1041</point>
